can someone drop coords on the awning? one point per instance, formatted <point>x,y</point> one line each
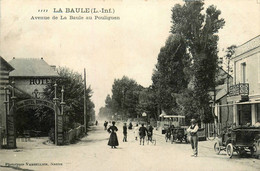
<point>174,116</point>
<point>239,103</point>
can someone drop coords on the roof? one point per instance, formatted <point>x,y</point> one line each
<point>222,91</point>
<point>5,65</point>
<point>247,46</point>
<point>31,67</point>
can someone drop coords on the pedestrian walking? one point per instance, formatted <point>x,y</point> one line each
<point>193,129</point>
<point>150,132</point>
<point>130,125</point>
<point>105,125</point>
<point>113,141</point>
<point>96,122</point>
<point>125,133</point>
<point>136,131</point>
<point>142,132</point>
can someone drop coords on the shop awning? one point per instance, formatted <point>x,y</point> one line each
<point>239,103</point>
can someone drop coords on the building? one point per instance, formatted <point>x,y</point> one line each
<point>244,94</point>
<point>223,111</point>
<point>31,75</point>
<point>5,69</point>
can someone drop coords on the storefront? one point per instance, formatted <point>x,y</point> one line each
<point>244,93</point>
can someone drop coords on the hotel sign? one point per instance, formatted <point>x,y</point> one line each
<point>39,81</point>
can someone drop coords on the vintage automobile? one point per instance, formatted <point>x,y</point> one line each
<point>167,121</point>
<point>180,134</point>
<point>176,125</point>
<point>240,140</point>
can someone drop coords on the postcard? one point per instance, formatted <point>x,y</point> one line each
<point>129,85</point>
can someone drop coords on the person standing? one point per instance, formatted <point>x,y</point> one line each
<point>193,129</point>
<point>142,132</point>
<point>113,141</point>
<point>150,132</point>
<point>125,133</point>
<point>130,125</point>
<point>136,131</point>
<point>105,125</point>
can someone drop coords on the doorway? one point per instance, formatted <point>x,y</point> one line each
<point>244,114</point>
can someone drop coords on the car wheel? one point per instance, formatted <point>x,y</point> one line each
<point>230,150</point>
<point>217,147</point>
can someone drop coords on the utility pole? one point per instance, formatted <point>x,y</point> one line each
<point>85,103</point>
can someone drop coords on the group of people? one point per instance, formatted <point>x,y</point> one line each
<point>143,131</point>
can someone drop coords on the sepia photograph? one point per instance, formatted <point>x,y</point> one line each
<point>129,85</point>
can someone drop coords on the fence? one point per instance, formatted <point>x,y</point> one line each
<point>74,134</point>
<point>212,130</point>
<point>3,140</point>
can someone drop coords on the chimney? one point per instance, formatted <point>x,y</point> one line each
<point>53,67</point>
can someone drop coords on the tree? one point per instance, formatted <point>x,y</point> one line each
<point>107,111</point>
<point>125,93</point>
<point>124,100</point>
<point>108,102</point>
<point>188,107</point>
<point>170,75</point>
<point>147,103</point>
<point>229,53</point>
<point>200,34</point>
<point>73,95</point>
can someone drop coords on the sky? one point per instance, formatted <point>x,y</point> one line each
<point>109,49</point>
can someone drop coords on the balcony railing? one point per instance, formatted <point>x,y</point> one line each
<point>239,89</point>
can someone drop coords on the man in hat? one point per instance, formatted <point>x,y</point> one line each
<point>193,129</point>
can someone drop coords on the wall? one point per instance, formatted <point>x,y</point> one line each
<point>4,81</point>
<point>28,85</point>
<point>250,54</point>
<point>225,113</point>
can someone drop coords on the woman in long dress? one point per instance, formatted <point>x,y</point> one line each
<point>113,141</point>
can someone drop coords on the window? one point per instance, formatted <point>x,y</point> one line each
<point>243,72</point>
<point>244,114</point>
